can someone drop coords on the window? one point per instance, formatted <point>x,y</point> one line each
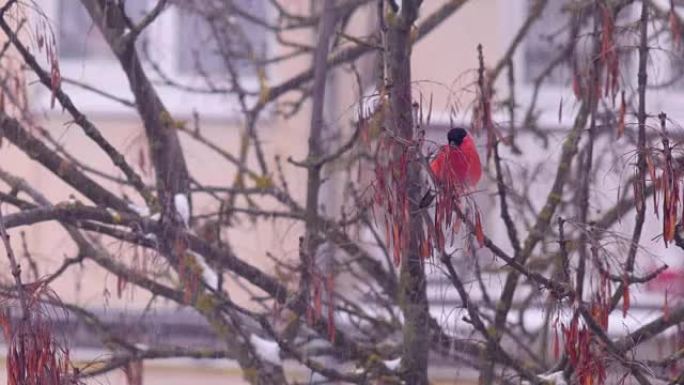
<point>187,44</point>
<point>546,39</point>
<point>665,74</point>
<point>79,38</point>
<point>549,36</point>
<point>544,45</point>
<point>203,53</point>
<point>676,80</point>
<point>210,41</point>
<point>669,55</point>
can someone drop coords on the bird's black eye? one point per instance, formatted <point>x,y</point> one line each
<point>456,135</point>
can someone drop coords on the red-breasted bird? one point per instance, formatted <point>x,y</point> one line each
<point>456,166</point>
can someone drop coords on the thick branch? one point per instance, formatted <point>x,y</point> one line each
<point>38,151</point>
<point>412,291</point>
<point>640,182</point>
<point>320,65</point>
<point>165,150</point>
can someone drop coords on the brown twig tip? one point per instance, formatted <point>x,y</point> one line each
<point>15,269</point>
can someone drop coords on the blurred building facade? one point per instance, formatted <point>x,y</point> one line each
<point>444,66</point>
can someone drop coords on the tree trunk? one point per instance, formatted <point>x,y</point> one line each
<point>413,297</point>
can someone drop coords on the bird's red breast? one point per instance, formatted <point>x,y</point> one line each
<point>458,166</point>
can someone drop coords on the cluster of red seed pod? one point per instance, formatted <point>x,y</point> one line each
<point>391,195</point>
<point>34,356</point>
<point>584,354</point>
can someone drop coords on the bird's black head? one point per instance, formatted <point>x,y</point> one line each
<point>456,135</point>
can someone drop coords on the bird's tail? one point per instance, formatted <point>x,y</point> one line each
<point>427,199</point>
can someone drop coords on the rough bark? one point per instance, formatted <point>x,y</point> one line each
<point>413,298</point>
<point>160,127</point>
<point>320,65</point>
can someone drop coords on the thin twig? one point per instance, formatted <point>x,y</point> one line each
<point>15,269</point>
